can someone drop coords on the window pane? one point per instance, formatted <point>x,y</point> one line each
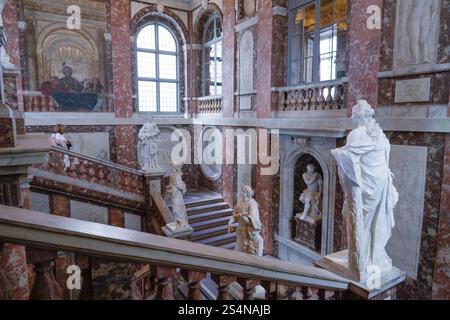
<point>168,97</point>
<point>147,96</point>
<point>166,40</point>
<point>167,67</point>
<point>209,33</point>
<point>219,71</point>
<point>218,28</point>
<point>146,38</point>
<point>146,65</point>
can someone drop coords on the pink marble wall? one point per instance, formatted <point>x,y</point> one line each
<point>121,57</point>
<point>13,45</point>
<point>364,54</point>
<point>441,276</point>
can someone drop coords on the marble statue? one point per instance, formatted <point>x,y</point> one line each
<point>370,195</point>
<point>246,214</point>
<point>417,31</point>
<point>312,195</point>
<point>148,147</point>
<point>5,59</point>
<point>175,192</point>
<point>3,36</point>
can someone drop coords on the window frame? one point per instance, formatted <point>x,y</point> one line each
<point>205,45</point>
<point>158,80</point>
<point>294,5</point>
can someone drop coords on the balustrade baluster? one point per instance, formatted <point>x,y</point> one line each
<point>45,286</point>
<point>249,286</point>
<point>271,289</point>
<point>193,279</point>
<point>164,289</point>
<point>224,283</point>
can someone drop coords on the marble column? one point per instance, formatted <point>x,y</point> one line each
<point>229,55</point>
<point>272,20</point>
<point>363,54</point>
<point>118,13</point>
<point>441,275</point>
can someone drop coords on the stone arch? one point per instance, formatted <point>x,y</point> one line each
<point>202,18</point>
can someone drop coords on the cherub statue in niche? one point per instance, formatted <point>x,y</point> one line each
<point>311,197</point>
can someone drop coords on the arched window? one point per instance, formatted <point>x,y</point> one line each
<point>157,69</point>
<point>212,57</point>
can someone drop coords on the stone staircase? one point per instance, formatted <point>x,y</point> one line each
<point>209,214</point>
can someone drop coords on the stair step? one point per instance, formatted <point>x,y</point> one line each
<point>206,208</point>
<point>195,218</point>
<point>219,240</point>
<point>229,246</point>
<point>210,223</point>
<point>201,202</point>
<point>211,233</point>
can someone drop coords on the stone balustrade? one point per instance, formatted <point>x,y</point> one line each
<point>35,101</point>
<point>209,104</point>
<point>312,97</point>
<point>166,262</point>
<point>93,170</point>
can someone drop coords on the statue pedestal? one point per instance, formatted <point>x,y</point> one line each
<point>182,234</point>
<point>308,232</point>
<point>337,263</point>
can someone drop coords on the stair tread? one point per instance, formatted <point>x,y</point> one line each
<point>226,238</point>
<point>205,223</point>
<point>229,246</point>
<point>206,232</point>
<point>200,202</point>
<point>193,218</point>
<point>207,206</point>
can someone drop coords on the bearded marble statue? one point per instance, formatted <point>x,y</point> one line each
<point>312,195</point>
<point>246,214</point>
<point>175,192</point>
<point>370,196</point>
<point>148,147</point>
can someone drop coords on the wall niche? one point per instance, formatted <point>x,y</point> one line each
<point>306,231</point>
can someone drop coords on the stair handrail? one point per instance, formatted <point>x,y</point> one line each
<point>49,232</point>
<point>98,160</point>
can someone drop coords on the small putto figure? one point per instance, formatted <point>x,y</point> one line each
<point>148,147</point>
<point>175,192</point>
<point>312,195</point>
<point>246,214</point>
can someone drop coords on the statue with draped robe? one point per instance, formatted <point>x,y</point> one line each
<point>370,196</point>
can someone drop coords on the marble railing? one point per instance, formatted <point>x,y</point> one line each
<point>209,104</point>
<point>99,180</point>
<point>165,260</point>
<point>312,97</point>
<point>35,101</point>
<point>82,167</point>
